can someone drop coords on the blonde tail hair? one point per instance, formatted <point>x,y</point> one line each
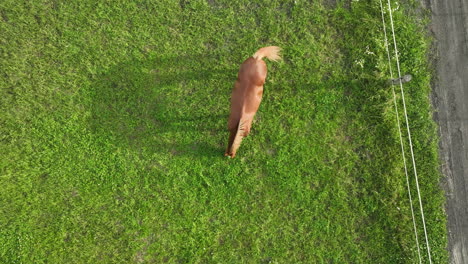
<point>272,53</point>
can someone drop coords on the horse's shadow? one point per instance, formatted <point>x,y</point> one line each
<point>169,105</point>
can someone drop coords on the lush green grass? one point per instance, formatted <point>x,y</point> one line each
<point>113,126</point>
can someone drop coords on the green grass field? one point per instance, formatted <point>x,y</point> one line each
<point>113,126</point>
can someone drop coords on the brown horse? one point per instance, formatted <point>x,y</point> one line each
<point>247,95</point>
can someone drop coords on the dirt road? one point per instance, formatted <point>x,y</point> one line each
<point>450,98</point>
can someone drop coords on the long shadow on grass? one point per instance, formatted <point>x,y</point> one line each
<point>175,105</point>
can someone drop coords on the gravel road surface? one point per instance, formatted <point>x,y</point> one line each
<point>450,98</point>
